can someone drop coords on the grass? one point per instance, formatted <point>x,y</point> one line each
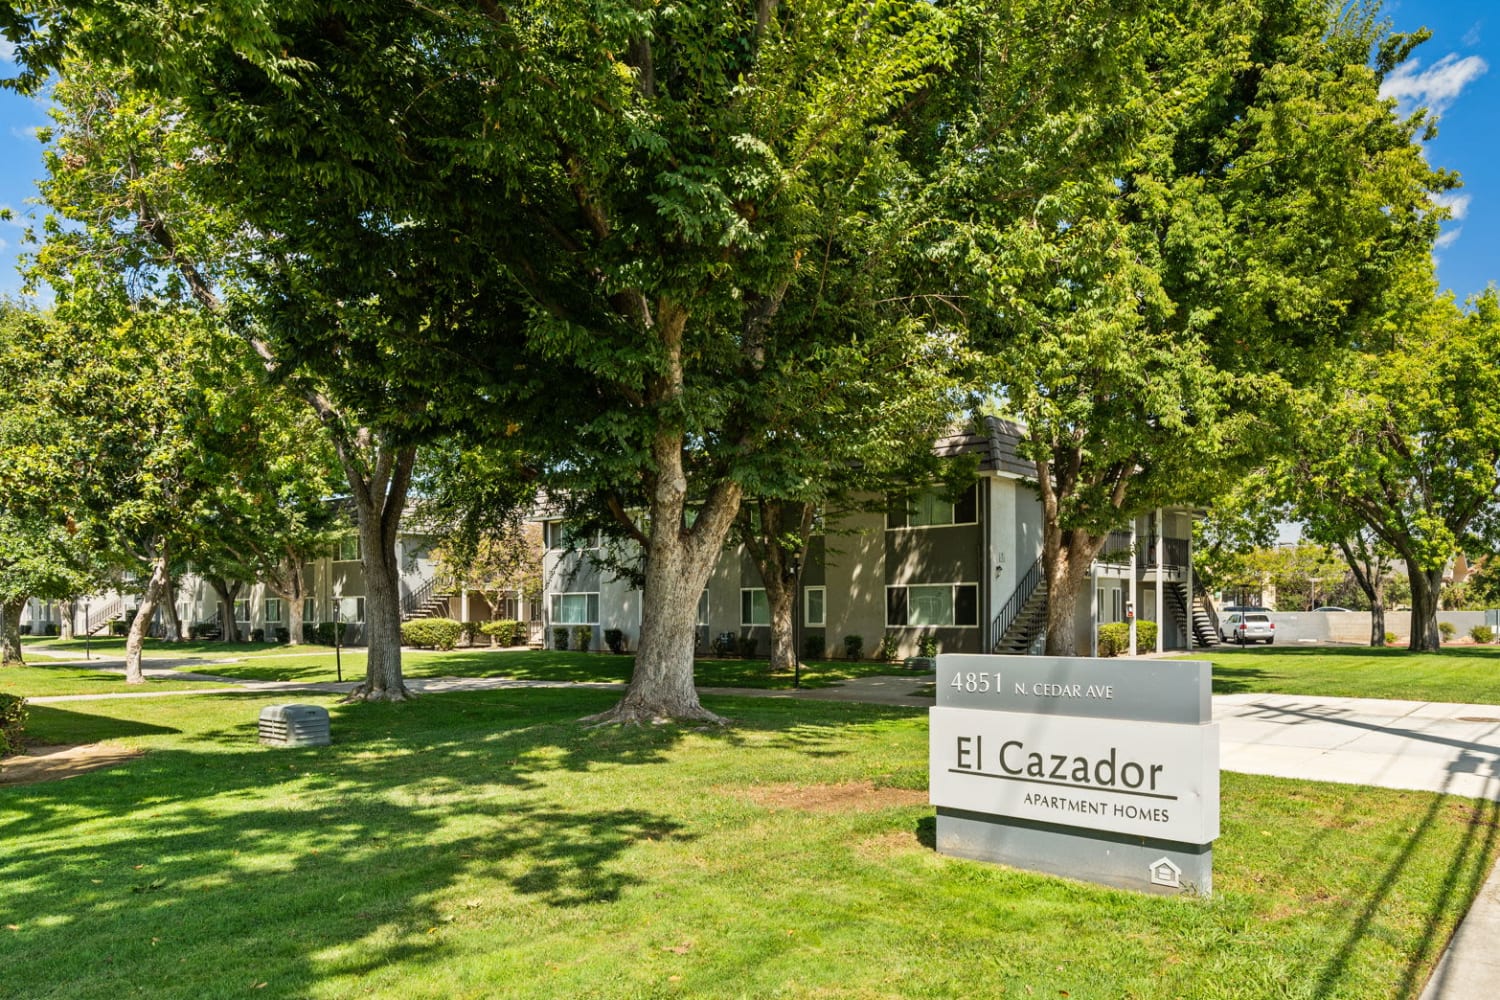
<point>485,845</point>
<point>114,647</point>
<point>1464,674</point>
<point>39,679</point>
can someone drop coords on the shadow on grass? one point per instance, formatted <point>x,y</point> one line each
<point>1235,680</point>
<point>48,724</point>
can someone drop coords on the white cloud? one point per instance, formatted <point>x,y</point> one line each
<point>1446,240</point>
<point>1436,87</point>
<point>1471,37</point>
<point>26,133</point>
<point>1456,204</point>
<point>7,52</point>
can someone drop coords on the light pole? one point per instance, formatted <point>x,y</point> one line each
<point>338,660</point>
<point>86,633</point>
<point>796,569</point>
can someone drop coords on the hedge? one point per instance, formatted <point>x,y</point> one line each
<point>437,633</point>
<point>1114,638</point>
<point>503,631</point>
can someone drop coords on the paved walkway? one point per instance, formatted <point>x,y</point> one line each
<point>1425,746</point>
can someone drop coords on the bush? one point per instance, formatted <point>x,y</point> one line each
<point>325,634</point>
<point>748,643</point>
<point>12,723</point>
<point>889,643</point>
<point>813,647</point>
<point>583,637</point>
<point>51,628</point>
<point>724,644</point>
<point>1482,634</point>
<point>470,633</point>
<point>502,631</point>
<point>928,646</point>
<point>559,637</point>
<point>1446,629</point>
<point>1390,638</point>
<point>615,639</point>
<point>202,630</point>
<point>435,633</point>
<point>283,635</point>
<point>1114,638</point>
<point>257,635</point>
<point>854,647</point>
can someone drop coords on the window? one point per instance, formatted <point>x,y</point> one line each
<point>754,608</point>
<point>932,510</point>
<point>242,610</point>
<point>575,609</point>
<point>563,535</point>
<point>351,609</point>
<point>348,550</point>
<point>943,604</point>
<point>812,606</point>
<point>703,607</point>
<point>273,611</point>
<point>310,611</point>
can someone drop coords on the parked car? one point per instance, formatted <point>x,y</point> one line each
<point>1242,607</point>
<point>1330,607</point>
<point>1248,626</point>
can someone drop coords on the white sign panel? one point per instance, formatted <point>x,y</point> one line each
<point>1149,779</point>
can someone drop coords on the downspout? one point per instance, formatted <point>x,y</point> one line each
<point>1161,581</point>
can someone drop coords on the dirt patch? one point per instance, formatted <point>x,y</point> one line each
<point>56,762</point>
<point>860,796</point>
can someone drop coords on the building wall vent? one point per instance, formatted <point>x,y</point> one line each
<point>294,726</point>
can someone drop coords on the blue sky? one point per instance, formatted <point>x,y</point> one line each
<point>1456,73</point>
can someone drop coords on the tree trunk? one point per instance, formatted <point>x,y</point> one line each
<point>136,637</point>
<point>69,611</point>
<point>678,563</point>
<point>1424,599</point>
<point>773,559</point>
<point>1377,620</point>
<point>295,604</point>
<point>10,631</point>
<point>1066,557</point>
<point>379,500</point>
<point>169,605</point>
<point>226,592</point>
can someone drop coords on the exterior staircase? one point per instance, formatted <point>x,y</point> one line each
<point>1023,620</point>
<point>1205,628</point>
<point>426,601</point>
<point>100,618</point>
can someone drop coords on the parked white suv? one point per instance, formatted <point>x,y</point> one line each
<point>1248,626</point>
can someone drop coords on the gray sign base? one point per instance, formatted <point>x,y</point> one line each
<point>1126,862</point>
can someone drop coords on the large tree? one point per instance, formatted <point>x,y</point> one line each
<point>1145,318</point>
<point>1404,435</point>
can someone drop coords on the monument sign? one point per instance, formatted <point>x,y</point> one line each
<point>1098,769</point>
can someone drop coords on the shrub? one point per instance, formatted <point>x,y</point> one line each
<point>1447,630</point>
<point>1114,638</point>
<point>12,723</point>
<point>854,647</point>
<point>325,634</point>
<point>1482,634</point>
<point>51,628</point>
<point>813,647</point>
<point>889,643</point>
<point>502,632</point>
<point>724,644</point>
<point>583,637</point>
<point>1390,638</point>
<point>436,633</point>
<point>470,633</point>
<point>257,635</point>
<point>283,635</point>
<point>747,646</point>
<point>615,639</point>
<point>559,637</point>
<point>202,630</point>
<point>928,646</point>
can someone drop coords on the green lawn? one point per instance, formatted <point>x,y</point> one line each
<point>486,845</point>
<point>39,678</point>
<point>114,646</point>
<point>1468,674</point>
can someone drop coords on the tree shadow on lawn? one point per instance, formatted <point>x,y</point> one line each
<point>285,853</point>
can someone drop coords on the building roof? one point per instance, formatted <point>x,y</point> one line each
<point>995,441</point>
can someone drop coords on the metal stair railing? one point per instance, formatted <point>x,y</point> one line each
<point>103,615</point>
<point>1201,593</point>
<point>1018,598</point>
<point>415,599</point>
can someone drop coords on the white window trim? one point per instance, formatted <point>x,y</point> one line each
<point>930,527</point>
<point>552,598</point>
<point>266,610</point>
<point>548,530</point>
<point>807,608</point>
<point>754,590</point>
<point>338,551</point>
<point>936,583</point>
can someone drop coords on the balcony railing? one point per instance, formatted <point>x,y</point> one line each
<point>1174,553</point>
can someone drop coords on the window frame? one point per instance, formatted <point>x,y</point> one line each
<point>267,605</point>
<point>953,603</point>
<point>554,605</point>
<point>750,592</point>
<point>807,619</point>
<point>557,530</point>
<point>969,500</point>
<point>340,550</point>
